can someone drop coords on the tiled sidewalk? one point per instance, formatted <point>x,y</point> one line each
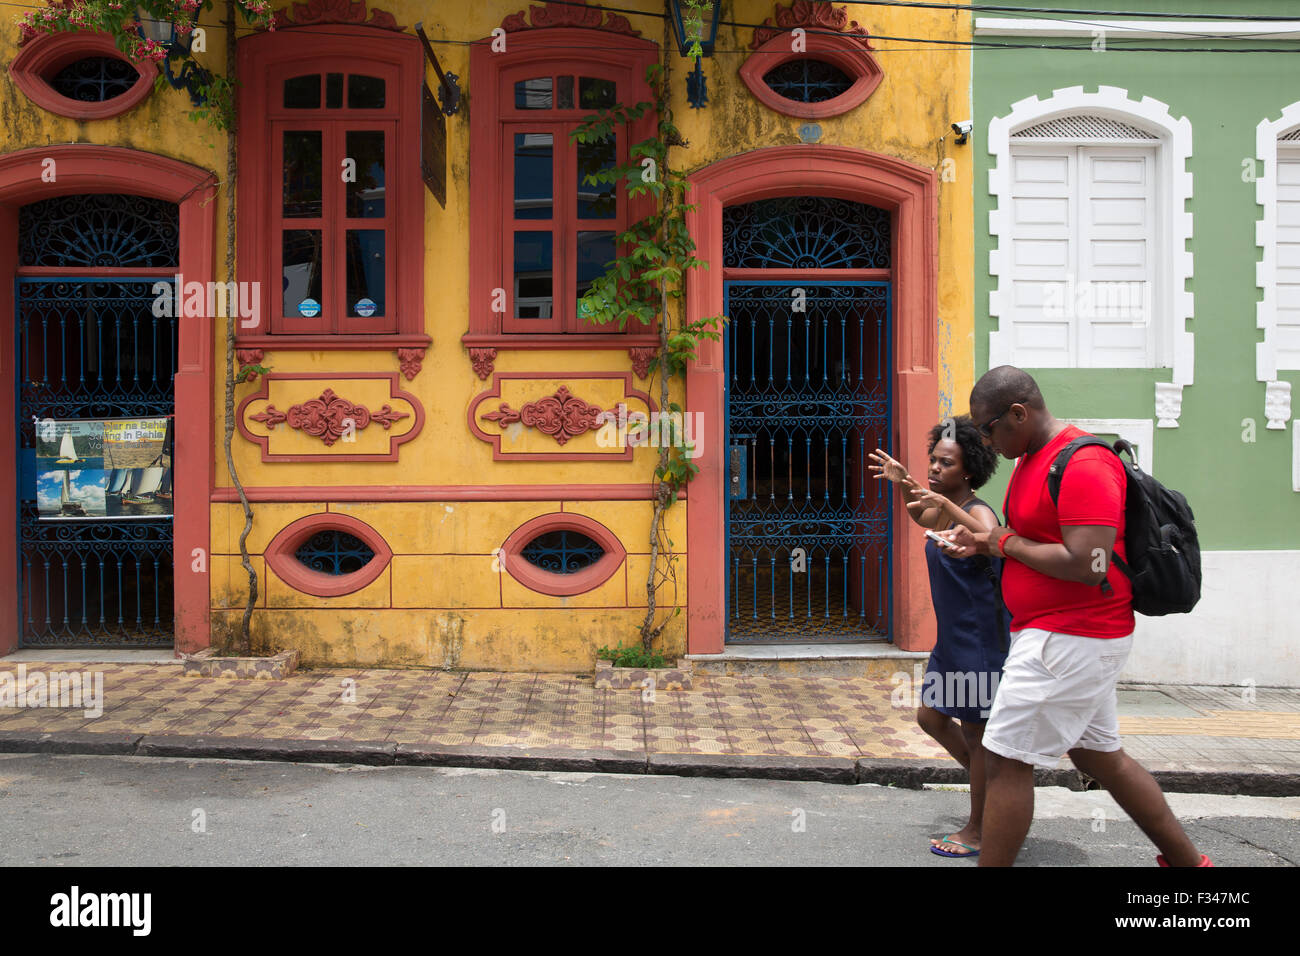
<point>813,717</point>
<point>1173,729</point>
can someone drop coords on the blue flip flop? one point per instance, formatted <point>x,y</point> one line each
<point>934,848</point>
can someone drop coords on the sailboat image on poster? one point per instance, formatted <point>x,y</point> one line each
<point>67,506</point>
<point>68,451</point>
<point>144,483</point>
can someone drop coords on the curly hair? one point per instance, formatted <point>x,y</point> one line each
<point>979,460</point>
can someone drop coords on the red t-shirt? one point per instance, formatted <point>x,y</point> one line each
<point>1092,493</point>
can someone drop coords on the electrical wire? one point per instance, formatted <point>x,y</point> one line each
<point>1117,44</point>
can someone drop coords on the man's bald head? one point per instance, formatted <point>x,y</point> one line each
<point>1000,387</point>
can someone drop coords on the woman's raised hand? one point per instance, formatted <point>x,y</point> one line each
<point>887,467</point>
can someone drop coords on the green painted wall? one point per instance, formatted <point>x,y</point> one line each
<point>1241,492</point>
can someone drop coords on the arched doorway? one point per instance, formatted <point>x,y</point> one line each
<point>32,176</point>
<point>907,195</point>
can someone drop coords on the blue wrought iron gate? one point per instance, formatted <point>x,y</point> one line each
<point>808,399</point>
<point>91,347</point>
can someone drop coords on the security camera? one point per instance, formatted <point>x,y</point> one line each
<point>962,128</point>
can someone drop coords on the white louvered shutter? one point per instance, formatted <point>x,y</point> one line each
<point>1042,218</point>
<point>1084,257</point>
<point>1288,255</point>
<point>1116,250</point>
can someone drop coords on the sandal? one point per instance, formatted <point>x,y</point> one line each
<point>971,851</point>
<point>1205,860</point>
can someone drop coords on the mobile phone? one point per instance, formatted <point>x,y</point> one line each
<point>943,542</point>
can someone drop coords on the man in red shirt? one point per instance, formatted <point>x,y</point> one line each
<point>1071,627</point>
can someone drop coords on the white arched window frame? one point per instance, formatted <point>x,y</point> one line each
<point>1277,190</point>
<point>1121,124</point>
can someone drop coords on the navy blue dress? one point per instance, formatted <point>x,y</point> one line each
<point>966,663</point>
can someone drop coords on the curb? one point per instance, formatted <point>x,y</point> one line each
<point>904,774</point>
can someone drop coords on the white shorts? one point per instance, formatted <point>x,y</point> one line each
<point>1057,692</point>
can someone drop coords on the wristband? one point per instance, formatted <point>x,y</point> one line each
<point>1001,541</point>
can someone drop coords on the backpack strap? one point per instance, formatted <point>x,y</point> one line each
<point>1056,473</point>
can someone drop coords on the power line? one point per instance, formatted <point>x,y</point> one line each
<point>996,8</point>
<point>1081,45</point>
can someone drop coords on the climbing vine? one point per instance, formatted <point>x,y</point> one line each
<point>655,254</point>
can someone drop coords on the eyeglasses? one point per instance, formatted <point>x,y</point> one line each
<point>987,430</point>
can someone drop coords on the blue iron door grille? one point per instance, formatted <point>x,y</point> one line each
<point>808,399</point>
<point>91,348</point>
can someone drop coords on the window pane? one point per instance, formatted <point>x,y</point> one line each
<point>533,164</point>
<point>302,173</point>
<point>595,93</point>
<point>533,292</point>
<point>365,197</point>
<point>564,93</point>
<point>365,272</point>
<point>533,94</point>
<point>302,92</point>
<point>596,201</point>
<point>301,267</point>
<point>365,92</point>
<point>595,252</point>
<point>333,90</point>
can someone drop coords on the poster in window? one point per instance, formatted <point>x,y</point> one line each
<point>105,468</point>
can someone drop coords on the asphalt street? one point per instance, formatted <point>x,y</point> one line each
<point>127,811</point>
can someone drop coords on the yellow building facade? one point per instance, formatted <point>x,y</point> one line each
<point>420,433</point>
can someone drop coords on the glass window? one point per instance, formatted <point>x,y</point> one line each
<point>533,94</point>
<point>302,174</point>
<point>533,275</point>
<point>534,162</point>
<point>365,196</point>
<point>365,92</point>
<point>302,92</point>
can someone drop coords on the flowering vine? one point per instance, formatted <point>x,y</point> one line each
<point>121,20</point>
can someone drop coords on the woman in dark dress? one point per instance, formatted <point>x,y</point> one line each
<point>966,663</point>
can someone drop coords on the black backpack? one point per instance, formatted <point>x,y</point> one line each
<point>1164,555</point>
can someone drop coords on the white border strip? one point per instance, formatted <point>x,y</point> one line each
<point>1266,136</point>
<point>1139,431</point>
<point>1176,228</point>
<point>1147,29</point>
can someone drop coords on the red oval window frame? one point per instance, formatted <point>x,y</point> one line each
<point>849,53</point>
<point>281,558</point>
<point>562,585</point>
<point>44,55</point>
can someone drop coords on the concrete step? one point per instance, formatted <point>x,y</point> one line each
<point>879,660</point>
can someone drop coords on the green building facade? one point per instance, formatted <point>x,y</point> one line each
<point>1137,240</point>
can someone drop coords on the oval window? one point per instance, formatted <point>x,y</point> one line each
<point>334,552</point>
<point>80,74</point>
<point>808,80</point>
<point>562,552</point>
<point>832,75</point>
<point>94,79</point>
<point>328,555</point>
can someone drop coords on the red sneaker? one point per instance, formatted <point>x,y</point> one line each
<point>1205,860</point>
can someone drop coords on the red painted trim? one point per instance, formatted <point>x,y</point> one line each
<point>46,54</point>
<point>269,57</point>
<point>54,271</point>
<point>85,168</point>
<point>334,343</point>
<point>334,382</point>
<point>280,558</point>
<point>535,53</point>
<point>347,493</point>
<point>494,439</point>
<point>850,53</point>
<point>559,343</point>
<point>910,193</point>
<point>562,585</point>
